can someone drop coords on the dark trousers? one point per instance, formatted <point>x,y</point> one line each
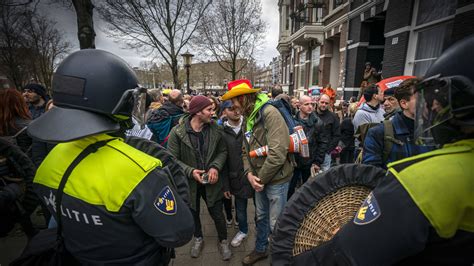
<point>298,174</point>
<point>228,208</point>
<point>215,211</point>
<point>347,155</point>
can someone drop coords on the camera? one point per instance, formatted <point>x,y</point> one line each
<point>205,178</point>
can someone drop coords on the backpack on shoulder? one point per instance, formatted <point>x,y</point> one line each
<point>298,142</point>
<point>161,129</point>
<point>285,110</point>
<point>388,141</point>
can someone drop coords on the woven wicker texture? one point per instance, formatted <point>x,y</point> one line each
<point>332,212</point>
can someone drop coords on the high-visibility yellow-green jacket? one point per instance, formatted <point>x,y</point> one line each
<point>441,183</point>
<point>119,205</point>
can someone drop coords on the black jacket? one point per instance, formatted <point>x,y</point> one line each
<point>318,140</point>
<point>233,172</point>
<point>331,128</point>
<point>16,185</point>
<point>347,134</point>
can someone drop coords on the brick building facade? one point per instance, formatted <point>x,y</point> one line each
<point>397,37</point>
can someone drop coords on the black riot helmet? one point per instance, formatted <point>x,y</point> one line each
<point>445,102</point>
<point>93,92</point>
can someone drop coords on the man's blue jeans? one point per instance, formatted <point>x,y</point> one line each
<point>241,214</point>
<point>269,204</point>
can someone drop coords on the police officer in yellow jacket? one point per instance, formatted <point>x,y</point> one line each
<point>120,206</point>
<point>422,212</point>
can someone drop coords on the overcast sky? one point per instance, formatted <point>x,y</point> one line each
<point>66,20</point>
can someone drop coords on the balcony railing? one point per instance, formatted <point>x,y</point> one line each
<point>304,15</point>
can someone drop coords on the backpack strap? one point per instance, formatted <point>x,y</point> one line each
<point>388,139</point>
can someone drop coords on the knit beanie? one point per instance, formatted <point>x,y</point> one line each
<point>38,89</point>
<point>198,103</point>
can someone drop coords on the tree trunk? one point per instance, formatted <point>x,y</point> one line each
<point>175,72</point>
<point>234,68</point>
<point>85,23</point>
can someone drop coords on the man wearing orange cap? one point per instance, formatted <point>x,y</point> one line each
<point>269,175</point>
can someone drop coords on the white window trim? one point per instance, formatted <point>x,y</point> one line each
<point>413,39</point>
<point>425,59</point>
<point>434,22</point>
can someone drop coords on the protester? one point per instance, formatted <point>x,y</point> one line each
<point>390,103</point>
<point>421,211</point>
<point>276,90</point>
<point>198,145</point>
<point>269,175</point>
<point>36,97</point>
<point>329,91</point>
<point>117,197</point>
<point>237,183</point>
<point>156,100</point>
<point>163,119</point>
<point>318,142</point>
<point>331,129</point>
<point>14,118</point>
<point>295,104</point>
<point>17,199</point>
<point>368,115</point>
<point>347,135</point>
<point>394,139</point>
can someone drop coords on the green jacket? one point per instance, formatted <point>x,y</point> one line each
<point>180,146</point>
<point>276,167</point>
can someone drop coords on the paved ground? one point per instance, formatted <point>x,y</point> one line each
<point>210,254</point>
<point>11,246</point>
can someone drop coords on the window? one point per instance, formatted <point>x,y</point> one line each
<point>315,65</point>
<point>431,10</point>
<point>301,67</point>
<point>430,33</point>
<point>287,25</point>
<point>431,42</point>
<point>336,3</point>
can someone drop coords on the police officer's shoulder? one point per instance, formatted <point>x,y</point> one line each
<point>145,161</point>
<point>439,154</point>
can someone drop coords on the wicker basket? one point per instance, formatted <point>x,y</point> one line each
<point>326,218</point>
<point>320,208</point>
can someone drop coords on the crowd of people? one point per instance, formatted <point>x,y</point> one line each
<point>190,148</point>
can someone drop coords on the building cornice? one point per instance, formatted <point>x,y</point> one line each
<point>362,8</point>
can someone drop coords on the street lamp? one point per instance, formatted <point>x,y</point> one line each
<point>188,57</point>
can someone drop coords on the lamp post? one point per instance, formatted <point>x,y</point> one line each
<point>188,57</point>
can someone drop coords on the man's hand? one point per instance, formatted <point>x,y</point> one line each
<point>314,169</point>
<point>227,195</point>
<point>197,175</point>
<point>213,175</point>
<point>255,182</point>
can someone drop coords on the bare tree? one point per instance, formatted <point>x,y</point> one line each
<point>231,30</point>
<point>12,27</point>
<point>84,10</point>
<point>85,23</point>
<point>163,26</point>
<point>31,45</point>
<point>45,46</point>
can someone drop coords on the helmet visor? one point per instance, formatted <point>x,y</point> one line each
<point>134,102</point>
<point>433,107</point>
